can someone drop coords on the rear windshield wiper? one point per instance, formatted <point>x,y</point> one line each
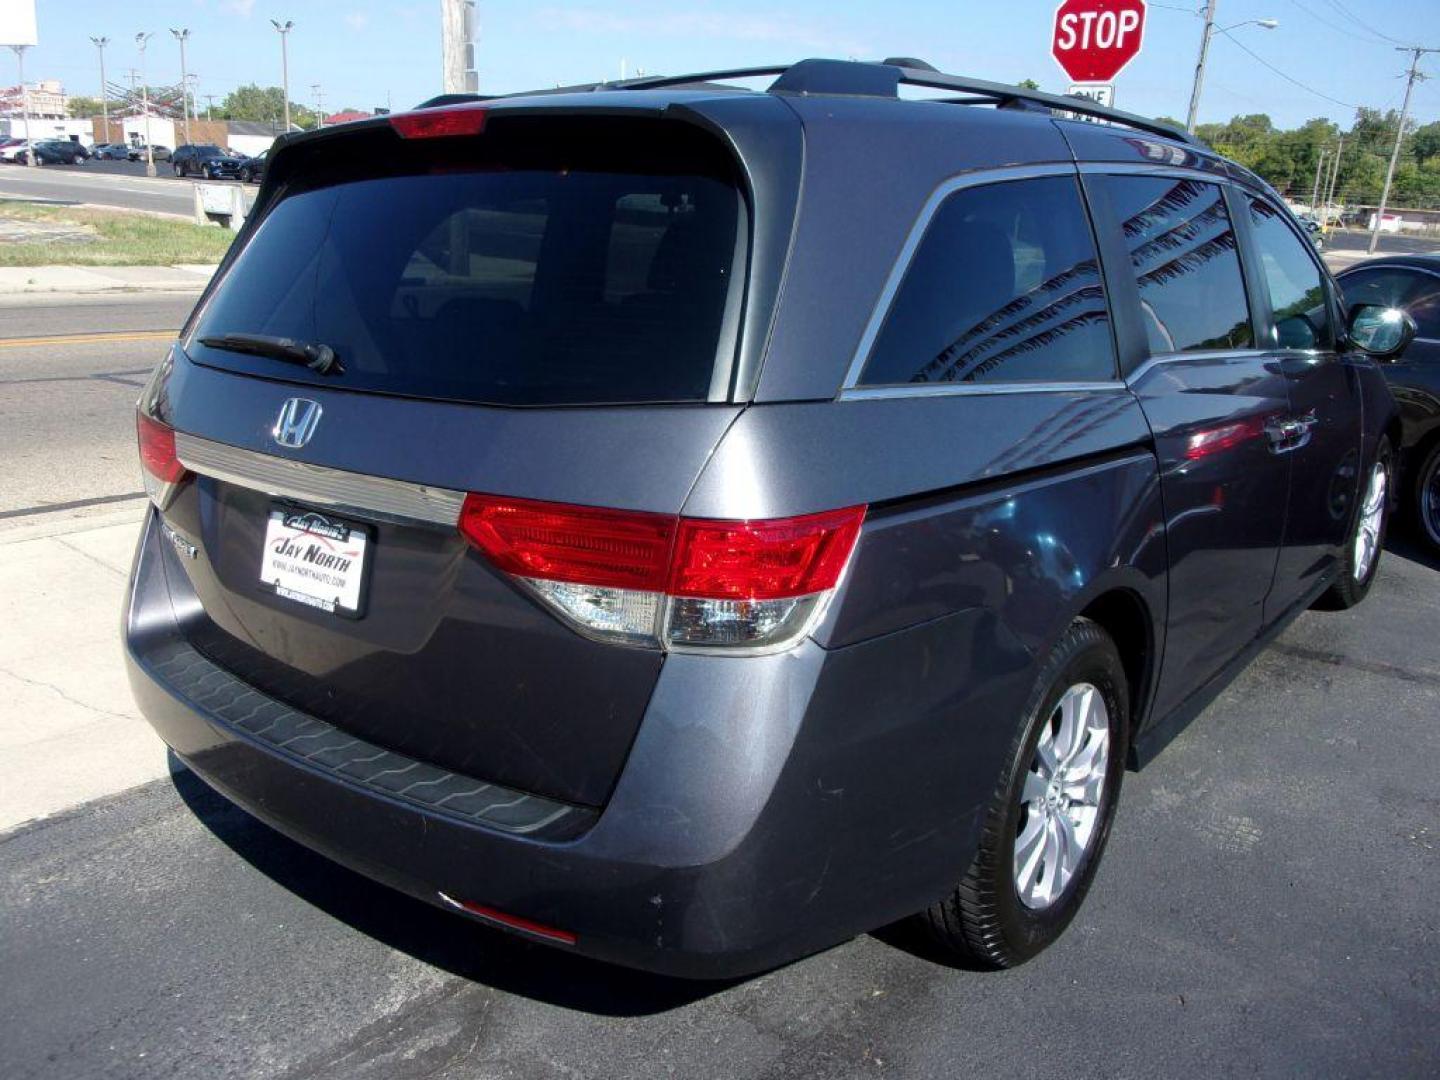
<point>319,358</point>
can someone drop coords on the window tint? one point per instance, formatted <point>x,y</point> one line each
<point>546,272</point>
<point>1004,287</point>
<point>1416,292</point>
<point>1183,252</point>
<point>1295,284</point>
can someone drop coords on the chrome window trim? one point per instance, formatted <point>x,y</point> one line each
<point>1210,355</point>
<point>375,497</point>
<point>910,390</point>
<point>1179,172</point>
<point>901,266</point>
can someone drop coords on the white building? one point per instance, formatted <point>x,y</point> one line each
<point>81,131</point>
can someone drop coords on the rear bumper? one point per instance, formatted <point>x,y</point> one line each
<point>770,807</point>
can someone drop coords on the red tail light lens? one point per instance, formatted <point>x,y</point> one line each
<point>763,560</point>
<point>157,449</point>
<point>580,545</point>
<point>439,123</point>
<point>649,578</point>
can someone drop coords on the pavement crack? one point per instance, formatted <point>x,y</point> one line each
<point>44,685</point>
<point>1372,667</point>
<point>98,562</point>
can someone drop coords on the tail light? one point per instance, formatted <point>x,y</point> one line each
<point>441,123</point>
<point>159,464</point>
<point>648,579</point>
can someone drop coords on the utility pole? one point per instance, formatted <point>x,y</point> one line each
<point>209,106</point>
<point>25,105</point>
<point>458,30</point>
<point>283,29</point>
<point>1315,191</point>
<point>319,105</point>
<point>1334,180</point>
<point>1415,52</point>
<point>183,36</point>
<point>100,43</point>
<point>141,40</point>
<point>1205,37</point>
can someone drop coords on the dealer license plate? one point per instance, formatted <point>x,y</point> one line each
<point>315,559</point>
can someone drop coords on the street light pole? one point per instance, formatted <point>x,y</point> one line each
<point>100,43</point>
<point>183,36</point>
<point>1415,52</point>
<point>25,105</point>
<point>1315,191</point>
<point>283,29</point>
<point>1210,31</point>
<point>140,41</point>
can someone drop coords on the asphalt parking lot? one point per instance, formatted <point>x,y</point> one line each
<point>1266,906</point>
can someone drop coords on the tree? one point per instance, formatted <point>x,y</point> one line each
<point>1028,84</point>
<point>81,107</point>
<point>265,104</point>
<point>1425,143</point>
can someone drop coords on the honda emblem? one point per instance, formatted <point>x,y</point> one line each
<point>296,422</point>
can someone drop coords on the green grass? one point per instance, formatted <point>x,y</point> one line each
<point>114,238</point>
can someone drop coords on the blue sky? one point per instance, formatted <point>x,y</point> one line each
<point>362,51</point>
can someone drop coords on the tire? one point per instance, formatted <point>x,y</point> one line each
<point>989,919</point>
<point>1426,499</point>
<point>1366,540</point>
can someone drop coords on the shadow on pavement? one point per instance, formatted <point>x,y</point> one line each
<point>1405,543</point>
<point>429,934</point>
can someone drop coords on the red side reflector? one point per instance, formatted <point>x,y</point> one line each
<point>581,545</point>
<point>515,922</point>
<point>157,449</point>
<point>763,560</point>
<point>439,123</point>
<point>1201,444</point>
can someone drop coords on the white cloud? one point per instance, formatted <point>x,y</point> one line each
<point>357,20</point>
<point>243,8</point>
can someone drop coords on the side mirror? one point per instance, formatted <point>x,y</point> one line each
<point>1382,332</point>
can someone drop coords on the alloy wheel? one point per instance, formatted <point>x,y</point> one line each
<point>1372,519</point>
<point>1061,797</point>
<point>1430,500</point>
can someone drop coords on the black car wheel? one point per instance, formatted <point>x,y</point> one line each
<point>1050,815</point>
<point>1427,498</point>
<point>1361,557</point>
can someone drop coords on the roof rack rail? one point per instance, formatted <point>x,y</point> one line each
<point>870,79</point>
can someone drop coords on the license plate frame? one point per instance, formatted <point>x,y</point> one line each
<point>299,577</point>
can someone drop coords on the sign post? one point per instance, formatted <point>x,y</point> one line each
<point>1093,40</point>
<point>17,29</point>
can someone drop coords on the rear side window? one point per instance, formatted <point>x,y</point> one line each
<point>1293,280</point>
<point>1004,287</point>
<point>544,262</point>
<point>1416,292</point>
<point>1183,252</point>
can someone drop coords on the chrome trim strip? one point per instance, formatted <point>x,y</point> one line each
<point>1223,355</point>
<point>367,496</point>
<point>909,390</point>
<point>917,233</point>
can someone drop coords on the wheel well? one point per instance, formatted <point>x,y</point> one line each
<point>1415,456</point>
<point>1124,616</point>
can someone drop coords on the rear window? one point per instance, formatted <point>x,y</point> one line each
<point>544,262</point>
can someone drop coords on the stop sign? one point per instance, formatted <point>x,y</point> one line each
<point>1094,39</point>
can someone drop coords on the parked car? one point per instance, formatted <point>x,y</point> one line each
<point>157,152</point>
<point>207,160</point>
<point>112,152</point>
<point>1411,283</point>
<point>800,543</point>
<point>10,149</point>
<point>53,152</point>
<point>252,169</point>
<point>1315,231</point>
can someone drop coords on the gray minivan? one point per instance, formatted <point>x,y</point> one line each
<point>692,527</point>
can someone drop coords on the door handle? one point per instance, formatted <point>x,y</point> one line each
<point>1291,433</point>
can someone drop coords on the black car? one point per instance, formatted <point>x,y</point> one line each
<point>205,159</point>
<point>1411,283</point>
<point>55,152</point>
<point>252,169</point>
<point>693,527</point>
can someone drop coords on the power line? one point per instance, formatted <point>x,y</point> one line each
<point>1348,33</point>
<point>1343,10</point>
<point>1288,78</point>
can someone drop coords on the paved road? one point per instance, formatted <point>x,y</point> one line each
<point>1266,907</point>
<point>67,427</point>
<point>120,184</point>
<point>1390,243</point>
